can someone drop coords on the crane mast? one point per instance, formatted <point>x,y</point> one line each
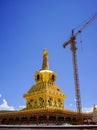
<point>72,42</point>
<point>76,78</point>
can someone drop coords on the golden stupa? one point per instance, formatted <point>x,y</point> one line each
<point>45,93</point>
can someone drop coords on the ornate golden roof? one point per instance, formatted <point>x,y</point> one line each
<point>45,88</point>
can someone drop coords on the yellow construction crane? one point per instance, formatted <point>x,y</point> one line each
<point>72,42</point>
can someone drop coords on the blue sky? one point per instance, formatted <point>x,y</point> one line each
<point>29,26</point>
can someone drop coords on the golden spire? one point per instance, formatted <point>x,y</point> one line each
<point>45,65</point>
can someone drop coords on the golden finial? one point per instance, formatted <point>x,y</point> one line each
<point>45,65</point>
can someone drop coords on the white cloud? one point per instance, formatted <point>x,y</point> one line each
<point>5,106</point>
<point>70,104</point>
<point>22,106</point>
<point>0,95</point>
<point>87,109</point>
